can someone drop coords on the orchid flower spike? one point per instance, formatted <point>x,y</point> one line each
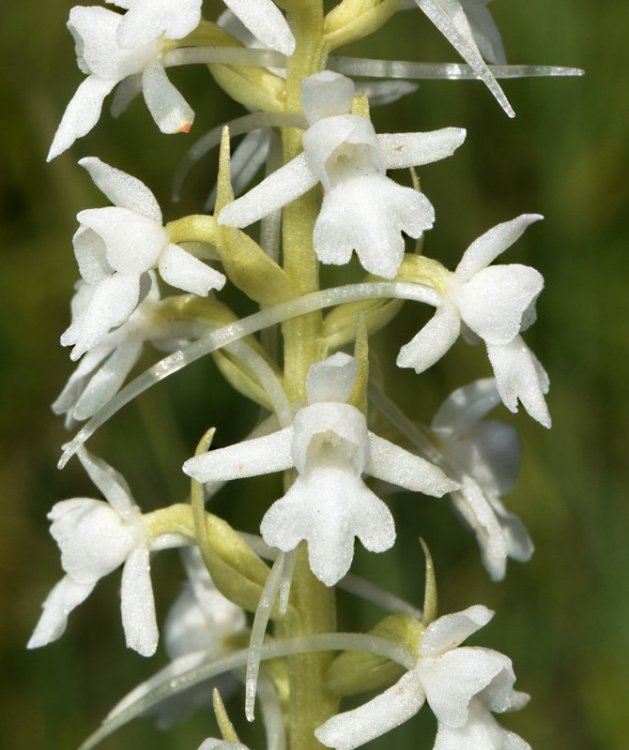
<point>115,248</point>
<point>96,537</point>
<point>362,210</point>
<point>467,25</point>
<point>103,369</point>
<point>495,303</point>
<point>331,448</point>
<point>484,457</point>
<point>462,685</point>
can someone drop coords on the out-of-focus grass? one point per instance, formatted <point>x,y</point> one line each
<point>563,617</point>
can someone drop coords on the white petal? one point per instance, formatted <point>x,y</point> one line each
<point>229,22</point>
<point>520,376</point>
<point>279,188</point>
<point>453,679</point>
<point>107,380</point>
<point>183,271</point>
<point>93,538</point>
<point>263,455</point>
<point>122,189</point>
<point>490,454</point>
<point>476,509</point>
<point>449,18</point>
<point>464,407</point>
<point>110,482</point>
<point>490,245</point>
<point>75,386</point>
<point>326,94</point>
<point>113,301</point>
<point>332,379</point>
<point>125,93</point>
<point>81,114</point>
<point>393,464</point>
<point>91,256</point>
<point>386,711</point>
<point>450,631</point>
<point>519,544</point>
<point>266,22</point>
<point>385,92</point>
<point>485,31</point>
<point>95,33</point>
<point>368,214</point>
<point>133,241</point>
<point>147,20</point>
<point>62,599</point>
<point>137,603</point>
<point>402,150</point>
<point>433,341</point>
<point>481,732</point>
<point>328,507</point>
<point>169,109</point>
<point>200,618</point>
<point>494,301</point>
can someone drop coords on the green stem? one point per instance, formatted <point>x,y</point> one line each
<point>300,262</point>
<point>310,704</point>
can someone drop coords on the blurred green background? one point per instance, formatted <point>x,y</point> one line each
<point>564,617</point>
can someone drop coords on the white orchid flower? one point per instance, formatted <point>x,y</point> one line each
<point>116,247</point>
<point>462,685</point>
<point>331,448</point>
<point>95,538</point>
<point>130,50</point>
<point>495,303</point>
<point>102,371</point>
<point>362,208</point>
<point>485,458</point>
<point>470,29</point>
<point>106,63</point>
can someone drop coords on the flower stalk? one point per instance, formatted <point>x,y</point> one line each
<point>329,193</point>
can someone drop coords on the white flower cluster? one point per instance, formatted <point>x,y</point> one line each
<point>116,248</point>
<point>319,431</point>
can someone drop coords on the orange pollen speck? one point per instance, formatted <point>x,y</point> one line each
<point>185,128</point>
